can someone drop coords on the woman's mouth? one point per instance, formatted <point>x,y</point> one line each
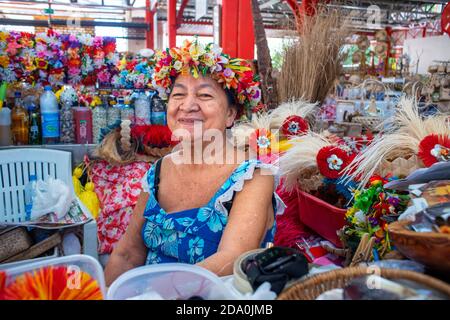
<point>189,121</point>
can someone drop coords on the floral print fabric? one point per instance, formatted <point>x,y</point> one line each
<point>118,188</point>
<point>191,236</point>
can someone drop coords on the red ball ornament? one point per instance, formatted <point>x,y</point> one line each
<point>294,125</point>
<point>332,160</point>
<point>434,148</point>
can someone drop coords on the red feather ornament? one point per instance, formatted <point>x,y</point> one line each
<point>294,125</point>
<point>434,148</point>
<point>153,135</point>
<point>332,160</point>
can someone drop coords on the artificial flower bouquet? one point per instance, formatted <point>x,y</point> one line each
<point>373,209</point>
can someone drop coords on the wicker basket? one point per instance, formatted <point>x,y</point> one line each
<point>312,287</point>
<point>370,123</point>
<point>13,241</point>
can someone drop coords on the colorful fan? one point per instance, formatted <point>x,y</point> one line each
<point>51,283</point>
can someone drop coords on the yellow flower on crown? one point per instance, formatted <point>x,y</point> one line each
<point>196,50</point>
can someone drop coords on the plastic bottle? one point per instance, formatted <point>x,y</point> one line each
<point>158,114</point>
<point>82,117</point>
<point>142,109</point>
<point>35,125</point>
<point>20,121</point>
<point>5,127</point>
<point>99,121</point>
<point>113,114</point>
<point>49,116</point>
<point>127,112</point>
<point>30,191</point>
<point>67,130</point>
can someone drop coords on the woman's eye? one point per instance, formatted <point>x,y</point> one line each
<point>205,95</point>
<point>177,95</point>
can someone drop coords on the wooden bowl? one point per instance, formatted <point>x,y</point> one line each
<point>432,249</point>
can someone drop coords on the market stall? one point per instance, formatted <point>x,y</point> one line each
<point>358,144</point>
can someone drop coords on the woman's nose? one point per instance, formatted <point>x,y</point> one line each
<point>190,104</point>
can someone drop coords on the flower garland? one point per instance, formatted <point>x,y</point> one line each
<point>17,57</point>
<point>135,73</point>
<point>55,59</point>
<point>198,60</point>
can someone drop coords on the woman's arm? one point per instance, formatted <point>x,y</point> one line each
<point>247,224</point>
<point>130,251</point>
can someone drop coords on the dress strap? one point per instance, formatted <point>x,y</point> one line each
<point>157,178</point>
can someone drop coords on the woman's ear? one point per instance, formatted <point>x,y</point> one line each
<point>231,116</point>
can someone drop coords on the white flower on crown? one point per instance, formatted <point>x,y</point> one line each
<point>216,50</point>
<point>223,60</point>
<point>177,65</point>
<point>208,59</point>
<point>334,163</point>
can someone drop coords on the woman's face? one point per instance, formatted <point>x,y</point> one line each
<point>200,101</point>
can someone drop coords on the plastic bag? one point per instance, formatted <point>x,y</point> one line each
<point>52,195</point>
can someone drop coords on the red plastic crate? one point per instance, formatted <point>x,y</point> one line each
<point>321,217</point>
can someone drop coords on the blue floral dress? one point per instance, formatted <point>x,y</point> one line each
<point>190,236</point>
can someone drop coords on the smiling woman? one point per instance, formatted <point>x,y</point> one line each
<point>203,212</point>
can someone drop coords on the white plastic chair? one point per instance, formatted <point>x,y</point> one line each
<point>16,166</point>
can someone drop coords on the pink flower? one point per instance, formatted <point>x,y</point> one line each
<point>103,76</point>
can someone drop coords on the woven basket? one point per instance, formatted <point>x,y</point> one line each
<point>312,287</point>
<point>13,241</point>
<point>370,123</point>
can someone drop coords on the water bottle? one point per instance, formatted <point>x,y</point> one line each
<point>158,111</point>
<point>126,111</point>
<point>5,127</point>
<point>142,109</point>
<point>30,191</point>
<point>35,130</point>
<point>50,116</point>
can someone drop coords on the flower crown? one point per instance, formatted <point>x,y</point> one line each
<point>196,59</point>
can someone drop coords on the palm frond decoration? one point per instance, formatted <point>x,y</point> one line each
<point>298,107</point>
<point>298,166</point>
<point>399,145</point>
